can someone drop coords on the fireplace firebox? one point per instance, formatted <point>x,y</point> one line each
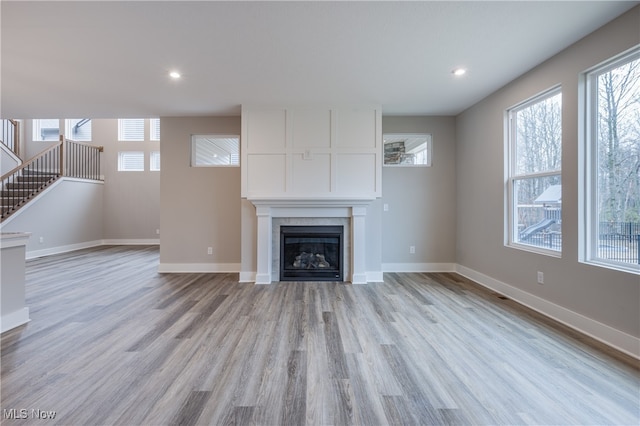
<point>311,253</point>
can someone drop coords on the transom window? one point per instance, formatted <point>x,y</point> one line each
<point>534,187</point>
<point>78,129</point>
<point>131,161</point>
<point>131,129</point>
<point>154,161</point>
<point>154,129</point>
<point>407,149</point>
<point>215,150</point>
<point>46,130</point>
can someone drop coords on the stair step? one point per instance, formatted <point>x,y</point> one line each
<point>25,185</point>
<point>35,178</point>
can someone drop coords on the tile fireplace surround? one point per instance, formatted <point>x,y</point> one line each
<point>272,213</point>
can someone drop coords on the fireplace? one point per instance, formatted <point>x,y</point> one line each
<point>311,253</point>
<point>271,214</point>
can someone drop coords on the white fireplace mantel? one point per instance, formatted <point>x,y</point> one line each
<point>353,209</point>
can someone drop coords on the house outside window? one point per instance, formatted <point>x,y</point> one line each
<point>534,187</point>
<point>610,235</point>
<point>46,130</point>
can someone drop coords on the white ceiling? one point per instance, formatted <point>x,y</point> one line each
<point>111,59</point>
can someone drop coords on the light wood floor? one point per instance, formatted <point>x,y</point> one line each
<point>111,341</point>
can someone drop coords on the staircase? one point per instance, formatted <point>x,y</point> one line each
<point>23,188</point>
<point>65,159</point>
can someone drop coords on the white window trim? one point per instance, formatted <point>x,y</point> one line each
<point>510,226</point>
<point>588,161</point>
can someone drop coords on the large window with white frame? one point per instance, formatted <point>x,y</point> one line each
<point>611,194</point>
<point>534,186</point>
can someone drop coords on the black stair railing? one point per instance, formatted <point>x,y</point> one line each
<point>65,158</point>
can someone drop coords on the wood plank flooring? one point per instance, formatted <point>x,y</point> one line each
<point>111,341</point>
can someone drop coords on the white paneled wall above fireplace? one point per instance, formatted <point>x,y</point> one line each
<point>311,152</point>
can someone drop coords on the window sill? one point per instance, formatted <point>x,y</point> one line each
<point>535,249</point>
<point>620,267</point>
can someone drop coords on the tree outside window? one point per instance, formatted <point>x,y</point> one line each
<point>534,183</point>
<point>613,169</point>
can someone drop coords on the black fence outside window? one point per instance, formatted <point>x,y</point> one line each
<point>619,241</point>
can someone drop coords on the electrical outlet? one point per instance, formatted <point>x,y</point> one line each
<point>209,250</point>
<point>412,249</point>
<point>385,207</point>
<point>41,240</point>
<point>540,277</point>
<point>157,232</point>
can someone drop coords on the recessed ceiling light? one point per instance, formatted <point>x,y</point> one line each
<point>175,75</point>
<point>458,71</point>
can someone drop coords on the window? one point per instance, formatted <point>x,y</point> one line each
<point>154,126</point>
<point>407,149</point>
<point>611,233</point>
<point>154,161</point>
<point>78,129</point>
<point>131,161</point>
<point>215,150</point>
<point>534,187</point>
<point>131,129</point>
<point>46,130</point>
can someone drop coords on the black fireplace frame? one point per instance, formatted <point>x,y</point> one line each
<point>311,231</point>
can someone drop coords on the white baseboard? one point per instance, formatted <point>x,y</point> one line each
<point>375,276</point>
<point>263,279</point>
<point>132,242</point>
<point>199,267</point>
<point>32,254</point>
<point>247,277</point>
<point>608,335</point>
<point>418,267</point>
<point>14,319</point>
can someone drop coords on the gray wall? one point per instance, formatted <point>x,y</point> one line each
<point>607,296</point>
<point>131,199</point>
<point>421,200</point>
<point>200,206</point>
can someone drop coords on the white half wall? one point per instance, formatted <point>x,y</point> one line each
<point>69,213</point>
